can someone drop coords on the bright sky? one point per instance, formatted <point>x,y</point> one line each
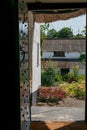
<point>76,24</point>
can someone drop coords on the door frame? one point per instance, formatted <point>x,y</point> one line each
<point>42,6</point>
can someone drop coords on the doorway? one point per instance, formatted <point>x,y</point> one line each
<point>36,9</point>
<point>64,71</point>
<point>51,110</point>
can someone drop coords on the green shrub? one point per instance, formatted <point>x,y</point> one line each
<point>81,77</point>
<point>47,78</point>
<point>58,77</point>
<point>80,90</point>
<point>83,58</point>
<point>74,89</point>
<point>72,76</point>
<point>68,88</point>
<point>79,93</point>
<point>48,74</point>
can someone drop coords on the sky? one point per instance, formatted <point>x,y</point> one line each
<point>76,24</point>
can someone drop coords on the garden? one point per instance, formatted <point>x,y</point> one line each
<point>56,88</point>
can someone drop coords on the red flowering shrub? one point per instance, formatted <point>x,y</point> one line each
<point>50,94</point>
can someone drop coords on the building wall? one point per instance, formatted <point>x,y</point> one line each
<point>47,54</point>
<point>36,68</point>
<point>72,54</point>
<point>67,55</point>
<point>81,71</point>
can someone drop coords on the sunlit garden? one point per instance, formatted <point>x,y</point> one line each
<point>56,88</point>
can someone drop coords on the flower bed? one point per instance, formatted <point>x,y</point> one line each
<point>75,89</point>
<point>50,94</point>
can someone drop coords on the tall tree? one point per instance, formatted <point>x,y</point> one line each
<point>82,34</point>
<point>79,36</point>
<point>84,31</point>
<point>65,33</point>
<point>43,31</point>
<point>52,33</point>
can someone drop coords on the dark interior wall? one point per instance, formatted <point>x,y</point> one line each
<point>9,85</point>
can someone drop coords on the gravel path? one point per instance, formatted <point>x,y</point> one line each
<point>67,102</point>
<point>72,102</point>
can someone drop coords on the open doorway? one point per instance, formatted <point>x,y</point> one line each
<point>35,58</point>
<point>64,71</point>
<point>71,65</point>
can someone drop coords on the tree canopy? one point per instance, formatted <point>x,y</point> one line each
<point>43,29</point>
<point>84,31</point>
<point>52,33</point>
<point>65,32</point>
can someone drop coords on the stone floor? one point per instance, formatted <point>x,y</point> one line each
<point>61,117</point>
<point>53,113</point>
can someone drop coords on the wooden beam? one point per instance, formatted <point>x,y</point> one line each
<point>54,11</point>
<point>44,6</point>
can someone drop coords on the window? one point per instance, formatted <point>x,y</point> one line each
<point>59,54</point>
<point>64,71</point>
<point>37,54</point>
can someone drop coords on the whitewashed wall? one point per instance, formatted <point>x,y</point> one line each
<point>81,71</point>
<point>67,55</point>
<point>47,54</point>
<point>36,70</point>
<point>72,55</point>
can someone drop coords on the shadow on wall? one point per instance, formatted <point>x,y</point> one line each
<point>33,98</point>
<point>49,125</point>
